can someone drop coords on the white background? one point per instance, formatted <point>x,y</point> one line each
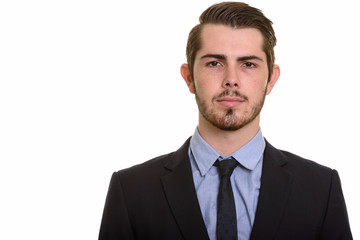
<point>91,87</point>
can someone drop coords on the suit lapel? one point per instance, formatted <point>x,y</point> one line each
<point>180,192</point>
<point>274,191</point>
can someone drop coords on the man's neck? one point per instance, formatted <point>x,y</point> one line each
<point>227,142</point>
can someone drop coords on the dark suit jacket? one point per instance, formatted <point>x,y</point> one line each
<point>156,200</point>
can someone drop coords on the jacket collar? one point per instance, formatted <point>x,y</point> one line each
<point>274,191</point>
<point>179,189</point>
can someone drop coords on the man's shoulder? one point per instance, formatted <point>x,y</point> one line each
<point>154,165</point>
<point>307,176</point>
<point>299,165</point>
<point>308,170</point>
<point>304,163</point>
<point>155,168</point>
<point>144,176</point>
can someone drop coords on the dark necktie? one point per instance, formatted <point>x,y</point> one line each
<point>226,227</point>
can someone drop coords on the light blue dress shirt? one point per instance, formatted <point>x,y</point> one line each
<point>245,181</point>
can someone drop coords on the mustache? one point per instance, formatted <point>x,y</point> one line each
<point>231,93</point>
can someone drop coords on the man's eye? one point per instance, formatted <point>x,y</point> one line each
<point>249,65</point>
<point>213,64</point>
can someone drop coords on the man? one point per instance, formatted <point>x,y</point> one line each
<point>227,181</point>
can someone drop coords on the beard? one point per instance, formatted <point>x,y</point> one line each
<point>230,119</point>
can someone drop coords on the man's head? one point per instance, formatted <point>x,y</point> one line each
<point>235,15</point>
<point>231,65</point>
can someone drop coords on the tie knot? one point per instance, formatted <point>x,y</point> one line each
<point>226,167</point>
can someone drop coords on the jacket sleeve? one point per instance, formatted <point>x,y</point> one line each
<point>336,223</point>
<point>115,222</point>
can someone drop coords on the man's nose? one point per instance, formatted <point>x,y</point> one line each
<point>231,78</point>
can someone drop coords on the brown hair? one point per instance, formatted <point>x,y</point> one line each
<point>236,15</point>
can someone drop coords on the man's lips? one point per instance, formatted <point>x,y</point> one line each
<point>230,101</point>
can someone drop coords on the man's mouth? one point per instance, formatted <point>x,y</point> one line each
<point>230,102</point>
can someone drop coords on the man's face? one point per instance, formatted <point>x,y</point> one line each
<point>230,76</point>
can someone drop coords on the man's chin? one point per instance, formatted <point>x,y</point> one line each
<point>230,128</point>
<point>228,125</point>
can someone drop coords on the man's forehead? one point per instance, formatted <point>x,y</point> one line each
<point>222,38</point>
<point>221,31</point>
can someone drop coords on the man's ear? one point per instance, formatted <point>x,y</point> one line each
<point>185,73</point>
<point>273,79</point>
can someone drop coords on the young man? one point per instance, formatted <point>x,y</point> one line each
<point>227,181</point>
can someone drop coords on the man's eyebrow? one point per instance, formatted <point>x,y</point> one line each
<point>239,59</point>
<point>217,56</point>
<point>251,57</point>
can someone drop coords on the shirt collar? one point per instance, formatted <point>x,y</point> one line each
<point>248,156</point>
